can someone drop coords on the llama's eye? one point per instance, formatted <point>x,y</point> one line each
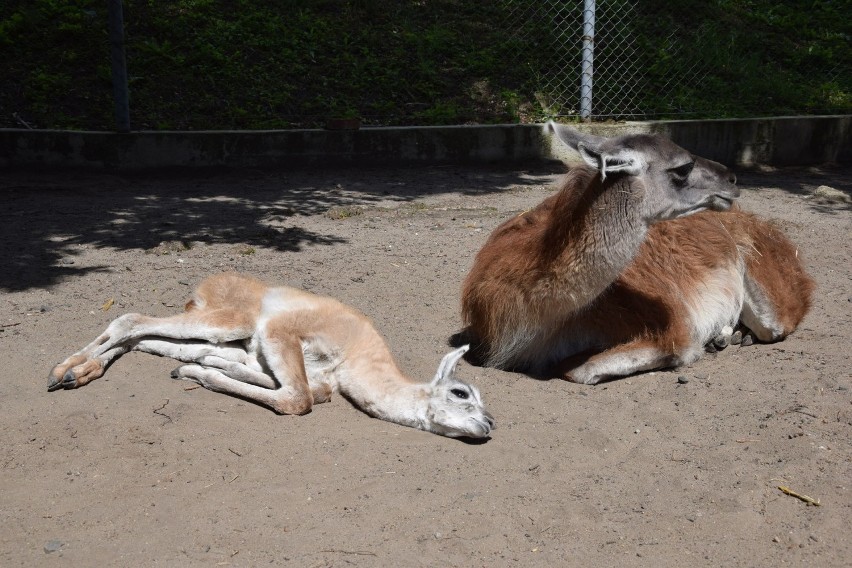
<point>460,393</point>
<point>682,172</point>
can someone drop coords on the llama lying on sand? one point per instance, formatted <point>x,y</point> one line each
<point>286,349</point>
<point>635,264</point>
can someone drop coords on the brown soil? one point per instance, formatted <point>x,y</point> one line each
<point>139,470</point>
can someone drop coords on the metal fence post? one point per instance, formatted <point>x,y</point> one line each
<point>119,66</point>
<point>588,53</point>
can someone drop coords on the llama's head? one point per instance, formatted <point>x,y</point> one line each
<point>675,182</point>
<point>455,407</point>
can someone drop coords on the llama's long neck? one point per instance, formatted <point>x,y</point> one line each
<point>595,231</point>
<point>379,388</point>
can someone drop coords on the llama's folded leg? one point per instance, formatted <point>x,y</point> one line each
<point>620,361</point>
<point>760,313</point>
<point>282,351</point>
<point>771,314</point>
<point>777,289</point>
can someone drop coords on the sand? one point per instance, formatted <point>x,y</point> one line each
<point>671,468</point>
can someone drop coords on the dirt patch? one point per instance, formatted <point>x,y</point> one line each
<point>667,469</point>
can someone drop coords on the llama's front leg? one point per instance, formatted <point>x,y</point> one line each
<point>231,359</point>
<point>620,361</point>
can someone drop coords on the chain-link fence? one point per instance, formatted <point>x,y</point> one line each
<point>202,65</point>
<point>629,59</point>
<point>592,63</point>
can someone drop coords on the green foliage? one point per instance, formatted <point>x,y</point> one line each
<point>202,64</point>
<point>761,57</point>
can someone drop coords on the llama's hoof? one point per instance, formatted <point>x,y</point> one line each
<point>175,373</point>
<point>722,340</point>
<point>747,340</point>
<point>582,378</point>
<point>53,382</point>
<point>69,379</point>
<point>737,337</point>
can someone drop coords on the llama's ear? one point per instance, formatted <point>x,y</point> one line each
<point>572,137</point>
<point>447,368</point>
<point>620,161</point>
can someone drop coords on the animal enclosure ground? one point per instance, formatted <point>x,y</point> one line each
<point>666,469</point>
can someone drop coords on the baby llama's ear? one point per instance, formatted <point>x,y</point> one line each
<point>447,368</point>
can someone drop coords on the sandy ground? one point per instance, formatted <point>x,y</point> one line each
<point>140,470</point>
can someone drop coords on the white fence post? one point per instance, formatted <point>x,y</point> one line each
<point>588,53</point>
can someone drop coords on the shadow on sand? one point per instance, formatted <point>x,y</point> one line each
<point>48,218</point>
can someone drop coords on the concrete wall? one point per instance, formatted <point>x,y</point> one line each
<point>774,141</point>
<point>789,141</point>
<point>784,141</point>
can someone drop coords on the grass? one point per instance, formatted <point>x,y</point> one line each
<point>216,64</point>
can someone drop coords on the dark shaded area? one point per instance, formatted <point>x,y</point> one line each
<point>48,218</point>
<point>235,64</point>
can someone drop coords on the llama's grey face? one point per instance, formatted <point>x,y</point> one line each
<point>455,407</point>
<point>675,182</point>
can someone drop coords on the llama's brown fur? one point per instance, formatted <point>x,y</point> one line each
<point>529,304</point>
